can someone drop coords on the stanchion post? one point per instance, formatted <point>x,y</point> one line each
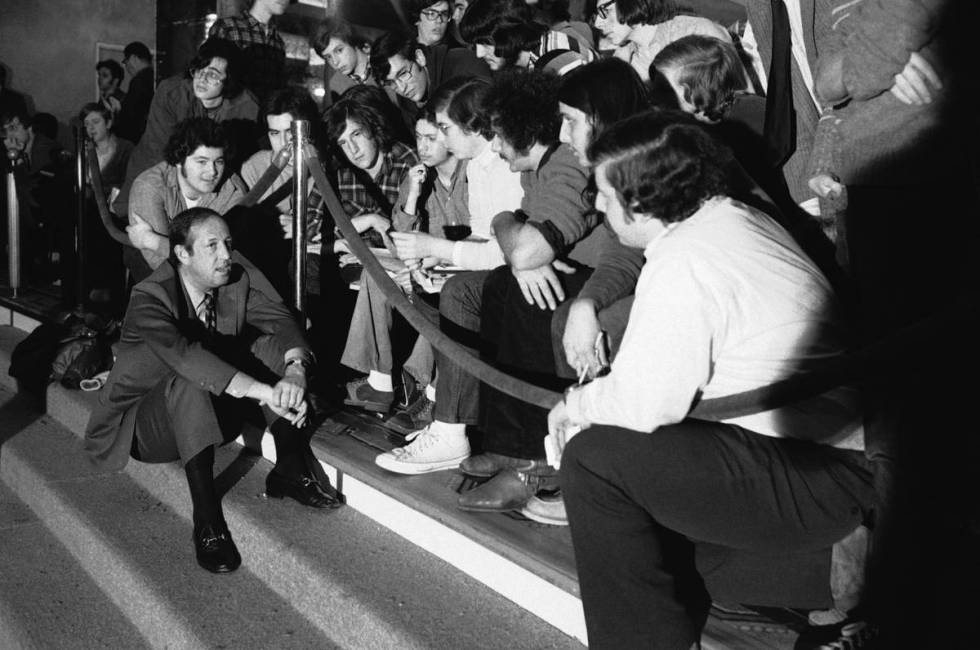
<point>80,220</point>
<point>13,227</point>
<point>299,130</point>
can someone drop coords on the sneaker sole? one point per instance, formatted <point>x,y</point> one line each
<point>393,465</point>
<point>541,519</point>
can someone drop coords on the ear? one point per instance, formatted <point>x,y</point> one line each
<point>181,253</point>
<point>420,57</point>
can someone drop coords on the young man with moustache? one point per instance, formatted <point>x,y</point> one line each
<point>191,175</point>
<point>207,345</point>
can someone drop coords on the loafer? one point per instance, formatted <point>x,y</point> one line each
<point>362,395</point>
<point>488,464</point>
<point>304,489</point>
<point>508,490</point>
<point>215,549</point>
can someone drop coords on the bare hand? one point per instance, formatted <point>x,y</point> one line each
<point>579,340</point>
<point>826,186</point>
<point>286,221</point>
<point>374,222</point>
<point>413,245</point>
<point>296,417</point>
<point>417,175</point>
<point>561,430</point>
<point>912,84</point>
<point>540,286</point>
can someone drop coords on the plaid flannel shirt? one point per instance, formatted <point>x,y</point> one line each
<point>263,50</point>
<point>355,197</point>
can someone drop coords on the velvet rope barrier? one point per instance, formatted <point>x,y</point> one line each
<point>875,359</point>
<point>279,162</point>
<point>100,202</point>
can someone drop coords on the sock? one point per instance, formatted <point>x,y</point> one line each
<point>380,381</point>
<point>204,497</point>
<point>448,429</point>
<point>430,393</point>
<point>292,446</point>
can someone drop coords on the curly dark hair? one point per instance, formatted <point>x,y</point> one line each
<point>224,49</point>
<point>192,133</point>
<point>510,38</point>
<point>523,108</point>
<point>464,101</point>
<point>708,68</point>
<point>365,107</point>
<point>115,70</point>
<point>662,163</point>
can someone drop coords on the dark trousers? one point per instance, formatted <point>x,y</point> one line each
<point>460,303</point>
<point>518,341</point>
<point>639,503</point>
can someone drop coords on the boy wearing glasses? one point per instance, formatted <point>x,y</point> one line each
<point>414,71</point>
<point>433,20</point>
<point>210,88</point>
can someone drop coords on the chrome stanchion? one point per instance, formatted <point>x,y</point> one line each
<point>299,130</point>
<point>13,226</point>
<point>79,221</point>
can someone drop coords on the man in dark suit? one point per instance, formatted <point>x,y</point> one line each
<point>131,120</point>
<point>206,342</point>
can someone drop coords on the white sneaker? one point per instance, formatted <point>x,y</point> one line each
<point>427,451</point>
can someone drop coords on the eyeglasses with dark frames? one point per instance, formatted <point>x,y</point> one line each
<point>435,15</point>
<point>603,10</point>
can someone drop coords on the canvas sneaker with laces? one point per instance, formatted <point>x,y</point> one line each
<point>426,451</point>
<point>417,416</point>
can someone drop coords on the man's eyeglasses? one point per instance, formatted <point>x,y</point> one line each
<point>213,77</point>
<point>603,10</point>
<point>436,16</point>
<point>402,77</point>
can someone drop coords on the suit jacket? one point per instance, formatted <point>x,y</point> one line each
<point>162,337</point>
<point>816,23</point>
<point>131,120</point>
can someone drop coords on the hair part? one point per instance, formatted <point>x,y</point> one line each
<point>192,133</point>
<point>366,111</point>
<point>662,163</point>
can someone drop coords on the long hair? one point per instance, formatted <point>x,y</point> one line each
<point>224,49</point>
<point>464,101</point>
<point>607,91</point>
<point>708,69</point>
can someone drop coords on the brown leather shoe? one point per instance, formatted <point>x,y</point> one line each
<point>488,464</point>
<point>508,490</point>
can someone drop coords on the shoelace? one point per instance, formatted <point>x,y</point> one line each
<point>420,406</point>
<point>418,441</point>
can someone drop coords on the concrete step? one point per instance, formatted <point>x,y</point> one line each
<point>309,579</point>
<point>47,600</point>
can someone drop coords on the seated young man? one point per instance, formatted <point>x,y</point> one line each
<point>484,186</point>
<point>347,53</point>
<point>207,345</point>
<point>259,240</point>
<point>414,71</point>
<point>726,302</point>
<point>522,108</point>
<point>192,175</point>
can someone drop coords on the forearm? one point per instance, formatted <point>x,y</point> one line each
<point>522,245</point>
<point>477,256</point>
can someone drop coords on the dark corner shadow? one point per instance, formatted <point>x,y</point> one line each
<point>18,413</point>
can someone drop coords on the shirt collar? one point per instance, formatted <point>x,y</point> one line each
<point>194,295</point>
<point>708,207</point>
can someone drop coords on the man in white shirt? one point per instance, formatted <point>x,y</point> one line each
<point>726,302</point>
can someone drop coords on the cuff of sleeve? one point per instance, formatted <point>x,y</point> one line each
<point>551,234</point>
<point>458,254</point>
<point>239,385</point>
<point>302,355</point>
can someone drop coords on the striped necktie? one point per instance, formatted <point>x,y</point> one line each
<point>210,314</point>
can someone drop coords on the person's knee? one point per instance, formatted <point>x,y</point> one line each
<point>183,396</point>
<point>581,455</point>
<point>461,299</point>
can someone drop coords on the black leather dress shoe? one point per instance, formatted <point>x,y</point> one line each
<point>216,551</point>
<point>488,464</point>
<point>303,489</point>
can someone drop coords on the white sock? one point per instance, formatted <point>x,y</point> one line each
<point>448,430</point>
<point>380,381</point>
<point>430,393</point>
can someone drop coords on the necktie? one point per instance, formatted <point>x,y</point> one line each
<point>780,123</point>
<point>210,314</point>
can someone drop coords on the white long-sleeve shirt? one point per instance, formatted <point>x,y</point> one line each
<point>726,302</point>
<point>493,188</point>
